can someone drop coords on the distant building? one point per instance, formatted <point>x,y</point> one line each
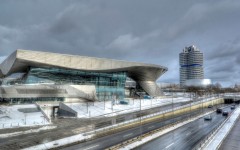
<point>191,64</point>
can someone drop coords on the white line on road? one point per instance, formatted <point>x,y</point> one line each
<point>188,133</point>
<point>91,147</point>
<point>151,127</point>
<point>127,135</point>
<point>169,145</point>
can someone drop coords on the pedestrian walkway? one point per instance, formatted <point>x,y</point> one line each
<point>232,141</point>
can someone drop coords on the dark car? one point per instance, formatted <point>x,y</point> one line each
<point>124,102</point>
<point>208,117</point>
<point>210,106</point>
<point>219,110</point>
<point>225,113</point>
<point>233,107</point>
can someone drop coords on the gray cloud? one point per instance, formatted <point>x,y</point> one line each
<point>153,31</point>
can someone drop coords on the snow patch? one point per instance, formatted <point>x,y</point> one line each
<point>7,135</point>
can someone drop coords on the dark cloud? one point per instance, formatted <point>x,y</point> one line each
<point>153,31</point>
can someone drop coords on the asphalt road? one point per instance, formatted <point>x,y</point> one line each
<point>187,136</point>
<point>113,139</point>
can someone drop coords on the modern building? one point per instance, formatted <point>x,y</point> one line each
<point>29,76</point>
<point>191,64</point>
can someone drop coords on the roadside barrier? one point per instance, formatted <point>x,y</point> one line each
<point>144,118</point>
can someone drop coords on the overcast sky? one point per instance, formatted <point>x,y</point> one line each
<point>151,31</point>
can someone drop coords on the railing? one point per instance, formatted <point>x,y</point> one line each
<point>115,126</point>
<point>175,108</point>
<point>10,125</point>
<point>43,112</point>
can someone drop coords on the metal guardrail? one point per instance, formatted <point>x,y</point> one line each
<point>115,126</point>
<point>148,107</point>
<point>10,125</point>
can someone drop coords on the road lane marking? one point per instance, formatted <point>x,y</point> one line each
<point>127,135</point>
<point>188,133</point>
<point>169,146</point>
<point>91,147</point>
<point>151,127</point>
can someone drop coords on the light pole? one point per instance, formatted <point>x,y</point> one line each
<point>173,114</point>
<point>191,105</point>
<point>25,115</point>
<point>140,119</point>
<point>87,107</point>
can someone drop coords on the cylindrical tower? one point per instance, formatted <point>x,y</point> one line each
<point>191,64</point>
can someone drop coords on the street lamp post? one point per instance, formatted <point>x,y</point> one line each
<point>173,114</point>
<point>140,115</point>
<point>191,105</point>
<point>140,119</point>
<point>25,115</point>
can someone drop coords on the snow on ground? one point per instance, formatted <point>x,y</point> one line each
<point>60,142</point>
<point>20,116</point>
<point>7,135</point>
<point>107,108</point>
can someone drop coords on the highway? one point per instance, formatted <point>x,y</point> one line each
<point>113,139</point>
<point>187,136</point>
<point>66,126</point>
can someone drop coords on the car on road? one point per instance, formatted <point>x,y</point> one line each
<point>219,110</point>
<point>208,117</point>
<point>233,107</point>
<point>225,113</point>
<point>210,106</point>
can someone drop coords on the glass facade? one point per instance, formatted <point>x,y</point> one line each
<point>109,85</point>
<point>33,100</point>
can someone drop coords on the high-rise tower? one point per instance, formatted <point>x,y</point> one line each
<point>191,64</point>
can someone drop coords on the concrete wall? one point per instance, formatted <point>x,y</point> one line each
<point>64,110</point>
